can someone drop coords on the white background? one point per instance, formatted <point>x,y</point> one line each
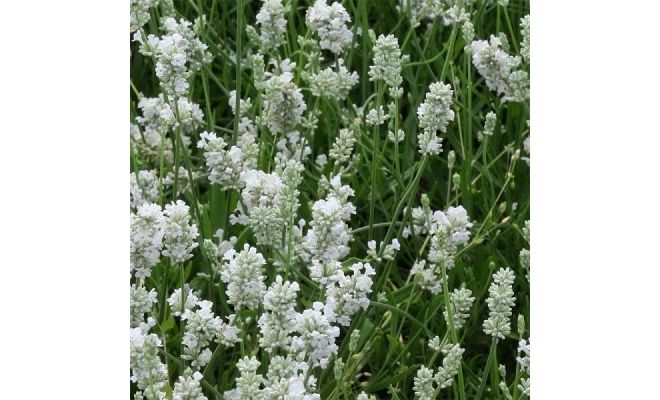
<point>64,88</point>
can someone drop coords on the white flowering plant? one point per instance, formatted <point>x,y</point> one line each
<point>329,199</point>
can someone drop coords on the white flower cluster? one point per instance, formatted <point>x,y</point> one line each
<point>434,114</point>
<point>345,295</point>
<point>144,188</point>
<point>524,253</point>
<point>435,344</point>
<point>271,200</point>
<point>154,231</point>
<point>321,160</point>
<point>461,302</point>
<point>426,276</point>
<point>489,126</point>
<point>183,114</point>
<point>273,25</point>
<point>243,274</point>
<point>140,13</point>
<point>202,327</point>
<point>388,250</point>
<point>142,301</point>
<point>425,382</point>
<point>333,83</point>
<point>387,64</point>
<point>330,23</point>
<point>455,15</point>
<point>526,231</point>
<point>524,387</point>
<point>432,9</point>
<point>292,147</point>
<point>526,145</point>
<point>525,44</point>
<point>226,166</point>
<point>147,135</point>
<point>467,31</point>
<point>500,70</point>
<point>342,148</point>
<point>260,189</point>
<point>523,355</point>
<point>286,200</point>
<point>223,245</point>
<point>421,222</point>
<point>326,242</point>
<point>197,53</point>
<point>171,52</point>
<point>448,231</point>
<point>422,9</point>
<point>146,239</point>
<point>500,301</point>
<point>245,104</point>
<point>376,116</point>
<point>249,382</point>
<point>423,385</point>
<point>397,137</point>
<point>247,130</point>
<point>147,370</point>
<point>283,102</point>
<point>450,364</point>
<point>277,322</point>
<point>315,339</point>
<point>180,234</point>
<point>286,379</point>
<point>188,386</point>
<point>259,192</point>
<point>180,305</point>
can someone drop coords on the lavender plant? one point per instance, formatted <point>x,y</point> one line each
<point>326,199</point>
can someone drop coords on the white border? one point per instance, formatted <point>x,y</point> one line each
<point>64,199</point>
<point>595,199</point>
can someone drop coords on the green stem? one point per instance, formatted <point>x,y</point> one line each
<point>452,328</point>
<point>161,170</point>
<point>405,314</point>
<point>375,148</point>
<point>484,376</point>
<point>239,34</point>
<point>511,32</point>
<point>397,167</point>
<point>516,379</point>
<point>365,47</point>
<point>495,374</point>
<point>183,307</point>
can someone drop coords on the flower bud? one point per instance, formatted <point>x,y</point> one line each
<point>521,325</point>
<point>339,368</point>
<point>456,179</point>
<point>426,203</point>
<point>353,341</point>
